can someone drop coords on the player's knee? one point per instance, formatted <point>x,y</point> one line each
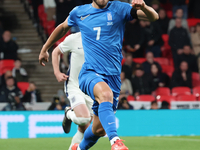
<point>107,96</point>
<point>100,132</point>
<point>82,121</point>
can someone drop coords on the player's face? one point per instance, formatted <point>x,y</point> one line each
<point>101,3</point>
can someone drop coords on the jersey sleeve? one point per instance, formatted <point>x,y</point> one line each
<point>66,45</point>
<point>126,11</point>
<point>72,18</point>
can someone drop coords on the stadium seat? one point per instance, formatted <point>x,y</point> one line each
<point>196,91</point>
<point>139,60</point>
<point>163,91</point>
<point>165,38</point>
<point>195,76</point>
<point>23,86</point>
<point>130,98</point>
<point>43,20</point>
<point>41,10</point>
<point>186,98</point>
<point>50,26</point>
<point>169,14</point>
<point>195,79</point>
<point>181,91</point>
<point>168,69</point>
<point>166,49</point>
<point>162,61</point>
<point>171,62</point>
<point>168,98</point>
<point>192,22</point>
<point>146,98</point>
<point>7,64</point>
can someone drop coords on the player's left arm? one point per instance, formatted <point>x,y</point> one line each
<point>144,12</point>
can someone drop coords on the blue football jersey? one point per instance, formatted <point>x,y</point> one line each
<point>102,33</point>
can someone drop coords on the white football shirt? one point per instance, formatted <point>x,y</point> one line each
<point>73,44</point>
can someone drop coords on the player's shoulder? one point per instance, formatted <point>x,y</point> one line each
<point>118,6</point>
<point>79,10</point>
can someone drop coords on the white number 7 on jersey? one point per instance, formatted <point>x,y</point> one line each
<point>98,32</point>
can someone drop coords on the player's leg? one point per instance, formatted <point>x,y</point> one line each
<point>104,96</point>
<point>95,86</point>
<point>78,113</point>
<point>91,135</point>
<point>77,138</point>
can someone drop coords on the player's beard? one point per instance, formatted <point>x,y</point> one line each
<point>101,3</point>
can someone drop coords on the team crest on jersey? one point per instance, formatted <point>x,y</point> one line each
<point>109,16</point>
<point>110,19</point>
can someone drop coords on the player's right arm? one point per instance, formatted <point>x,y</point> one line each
<point>55,62</point>
<point>66,46</point>
<point>58,33</point>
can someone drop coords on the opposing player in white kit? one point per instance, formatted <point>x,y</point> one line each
<point>81,104</point>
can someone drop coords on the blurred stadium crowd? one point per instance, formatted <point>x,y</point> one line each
<point>161,60</point>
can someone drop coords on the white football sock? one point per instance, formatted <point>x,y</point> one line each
<point>77,120</point>
<point>78,148</point>
<point>113,140</point>
<point>77,138</point>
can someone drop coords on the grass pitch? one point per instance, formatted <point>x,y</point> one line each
<point>134,143</point>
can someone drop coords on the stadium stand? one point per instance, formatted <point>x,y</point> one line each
<point>130,98</point>
<point>186,98</point>
<point>196,92</point>
<point>7,64</point>
<point>163,91</point>
<point>139,60</point>
<point>168,98</point>
<point>23,86</point>
<point>30,40</point>
<point>195,79</point>
<point>176,91</point>
<point>192,22</point>
<point>168,69</point>
<point>162,61</point>
<point>148,98</point>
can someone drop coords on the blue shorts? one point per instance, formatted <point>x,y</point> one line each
<point>89,78</point>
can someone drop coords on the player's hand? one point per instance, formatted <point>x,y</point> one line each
<point>61,77</point>
<point>138,4</point>
<point>43,57</point>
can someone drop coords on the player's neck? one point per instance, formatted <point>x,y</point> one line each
<point>97,6</point>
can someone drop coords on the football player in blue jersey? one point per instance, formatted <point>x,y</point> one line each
<point>102,26</point>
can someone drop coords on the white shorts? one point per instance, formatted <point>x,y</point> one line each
<point>77,97</point>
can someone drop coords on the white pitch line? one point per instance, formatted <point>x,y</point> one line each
<point>176,139</point>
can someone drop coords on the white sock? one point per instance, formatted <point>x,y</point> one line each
<point>113,140</point>
<point>78,148</point>
<point>77,138</point>
<point>77,120</point>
